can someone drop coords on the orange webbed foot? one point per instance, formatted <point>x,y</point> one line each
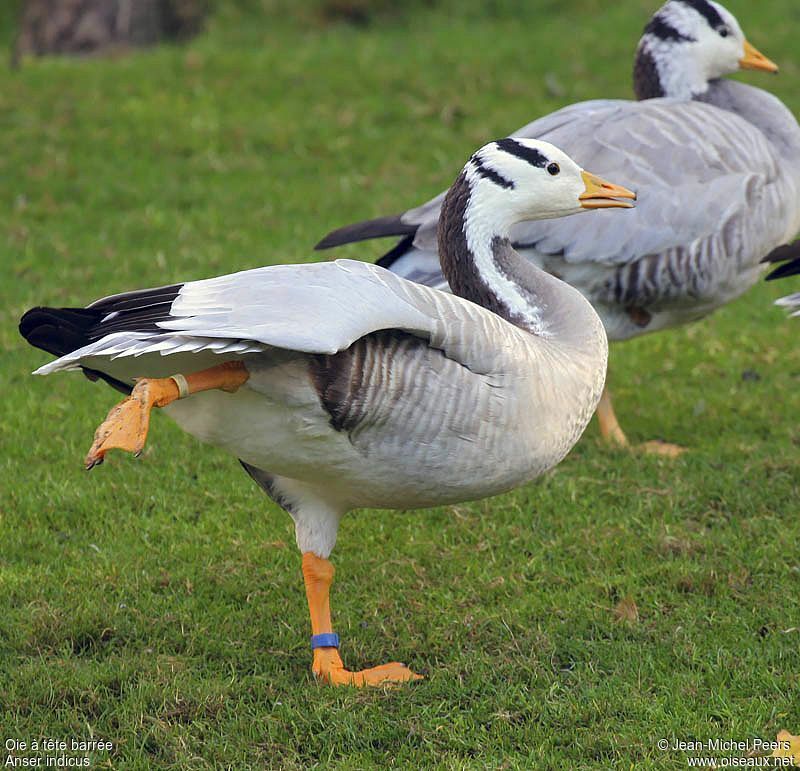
<point>664,449</point>
<point>614,436</point>
<point>126,426</point>
<point>328,668</point>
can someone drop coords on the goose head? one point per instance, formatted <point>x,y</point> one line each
<point>689,43</point>
<point>505,182</point>
<point>516,180</point>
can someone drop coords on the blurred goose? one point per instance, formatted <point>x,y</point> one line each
<point>792,302</point>
<point>789,255</point>
<point>341,385</point>
<point>717,164</point>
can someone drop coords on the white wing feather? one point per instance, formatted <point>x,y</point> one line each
<point>320,308</point>
<point>693,165</point>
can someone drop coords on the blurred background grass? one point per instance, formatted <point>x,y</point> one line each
<point>158,604</point>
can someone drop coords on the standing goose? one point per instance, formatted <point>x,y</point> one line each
<point>341,385</point>
<point>718,164</point>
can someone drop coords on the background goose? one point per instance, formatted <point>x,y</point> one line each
<point>792,302</point>
<point>789,255</point>
<point>340,385</point>
<point>718,178</point>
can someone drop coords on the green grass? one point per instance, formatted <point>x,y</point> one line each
<point>158,603</point>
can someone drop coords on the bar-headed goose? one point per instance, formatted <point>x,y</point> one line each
<point>719,179</point>
<point>341,385</point>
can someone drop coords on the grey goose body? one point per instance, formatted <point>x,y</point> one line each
<point>717,166</point>
<point>717,194</point>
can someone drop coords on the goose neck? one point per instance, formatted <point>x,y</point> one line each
<point>479,262</point>
<point>659,72</point>
<point>764,111</point>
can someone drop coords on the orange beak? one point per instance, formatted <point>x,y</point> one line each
<point>600,194</point>
<point>753,59</point>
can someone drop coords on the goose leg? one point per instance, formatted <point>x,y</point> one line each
<point>127,423</point>
<point>612,432</point>
<point>610,429</point>
<point>328,665</point>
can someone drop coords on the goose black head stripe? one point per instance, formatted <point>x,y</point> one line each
<point>706,10</point>
<point>490,174</point>
<point>660,28</point>
<point>528,154</point>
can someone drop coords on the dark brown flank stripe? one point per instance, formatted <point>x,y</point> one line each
<point>633,283</point>
<point>650,270</point>
<point>338,379</point>
<point>351,383</point>
<point>671,270</point>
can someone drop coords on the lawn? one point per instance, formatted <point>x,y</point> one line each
<point>158,603</point>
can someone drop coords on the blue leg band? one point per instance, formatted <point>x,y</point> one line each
<point>327,640</point>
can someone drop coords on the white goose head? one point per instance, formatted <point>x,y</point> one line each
<point>516,180</point>
<point>689,43</point>
<point>505,182</point>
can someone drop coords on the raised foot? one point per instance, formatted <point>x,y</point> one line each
<point>329,669</point>
<point>664,449</point>
<point>127,423</point>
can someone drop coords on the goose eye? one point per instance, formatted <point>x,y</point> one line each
<point>553,169</point>
<point>724,32</point>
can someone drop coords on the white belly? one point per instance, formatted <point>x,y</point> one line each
<point>415,455</point>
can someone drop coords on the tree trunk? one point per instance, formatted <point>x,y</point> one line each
<point>90,26</point>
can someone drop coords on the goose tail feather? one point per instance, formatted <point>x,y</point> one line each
<point>382,227</point>
<point>60,331</point>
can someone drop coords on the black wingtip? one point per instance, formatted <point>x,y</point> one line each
<point>56,330</point>
<point>784,271</point>
<point>382,227</point>
<point>60,331</point>
<point>30,320</point>
<point>788,254</point>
